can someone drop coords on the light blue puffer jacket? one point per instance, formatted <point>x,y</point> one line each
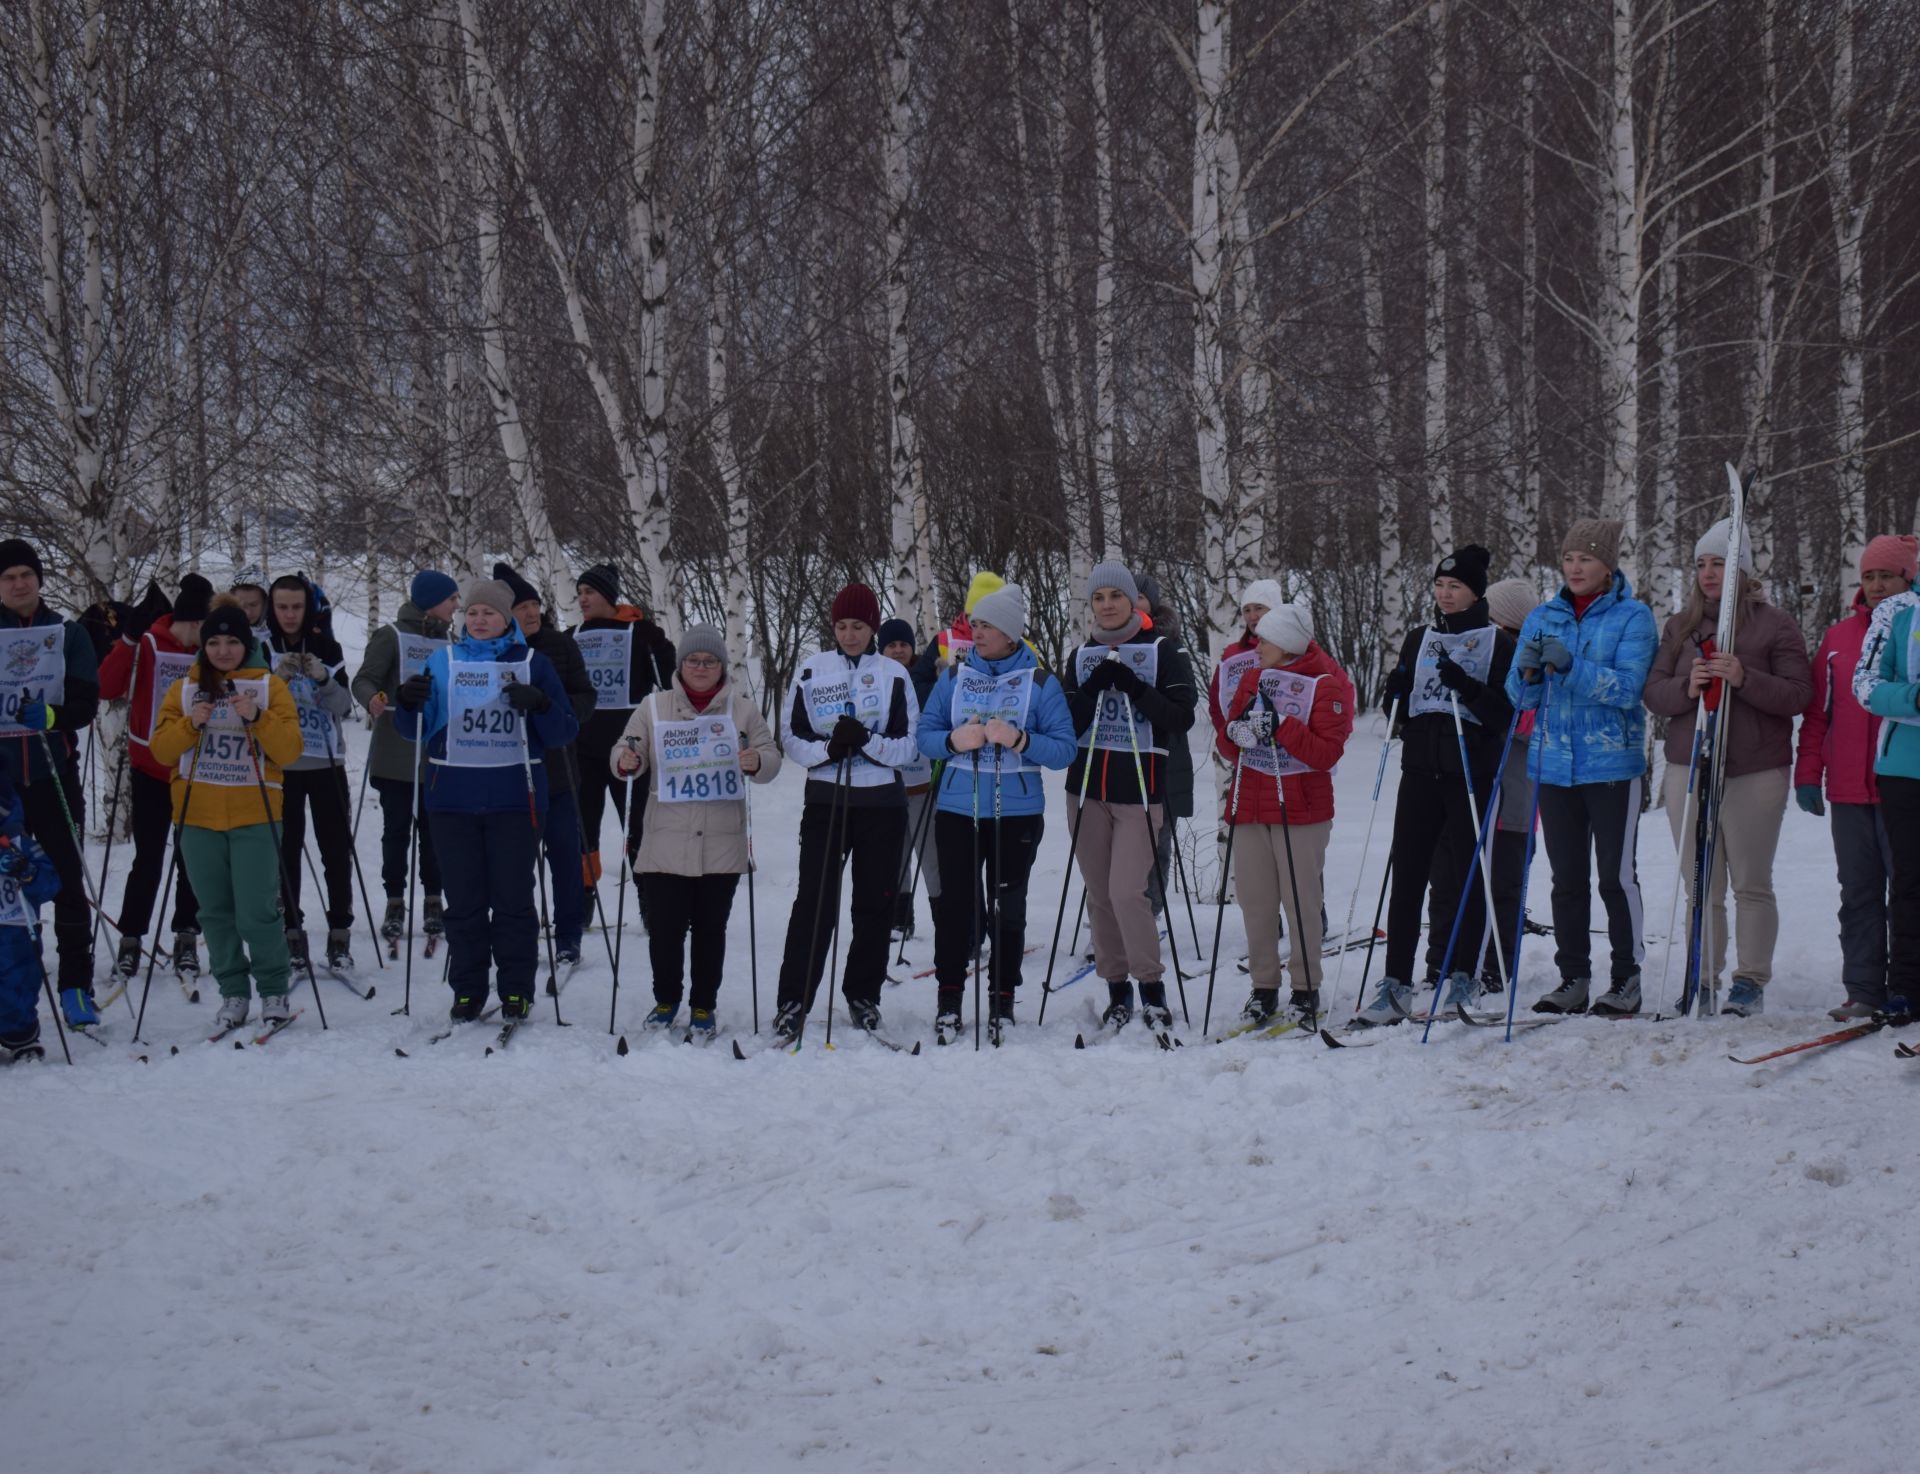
<point>1887,683</point>
<point>1595,730</point>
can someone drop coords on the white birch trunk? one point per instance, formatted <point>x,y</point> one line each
<point>1620,293</point>
<point>1255,380</point>
<point>449,120</point>
<point>1104,406</point>
<point>1509,416</point>
<point>647,244</point>
<point>719,331</point>
<point>1434,419</point>
<point>910,529</point>
<point>1756,453</point>
<point>1667,578</point>
<point>1849,231</point>
<point>1209,356</point>
<point>1524,516</point>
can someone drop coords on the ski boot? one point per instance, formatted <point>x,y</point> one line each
<point>903,918</point>
<point>466,1008</point>
<point>1461,991</point>
<point>1119,1005</point>
<point>516,1007</point>
<point>233,1012</point>
<point>1622,1000</point>
<point>701,1028</point>
<point>1569,997</point>
<point>1858,1006</point>
<point>77,1005</point>
<point>787,1024</point>
<point>1304,1005</point>
<point>1154,1012</point>
<point>393,926</point>
<point>661,1018</point>
<point>1392,1002</point>
<point>24,1045</point>
<point>1261,1006</point>
<point>297,958</point>
<point>126,962</point>
<point>865,1016</point>
<point>275,1008</point>
<point>339,950</point>
<point>1745,999</point>
<point>999,1018</point>
<point>567,954</point>
<point>433,922</point>
<point>186,954</point>
<point>948,1025</point>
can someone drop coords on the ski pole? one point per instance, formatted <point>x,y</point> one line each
<point>1484,848</point>
<point>1000,964</point>
<point>173,863</point>
<point>1180,874</point>
<point>975,887</point>
<point>916,848</point>
<point>40,961</point>
<point>1302,953</point>
<point>1483,840</point>
<point>830,865</point>
<point>1680,872</point>
<point>1159,870</point>
<point>1537,761</point>
<point>113,804</point>
<point>1066,879</point>
<point>753,936</point>
<point>416,803</point>
<point>839,872</point>
<point>337,784</point>
<point>280,857</point>
<point>1366,848</point>
<point>619,905</point>
<point>522,721</point>
<point>73,833</point>
<point>1220,905</point>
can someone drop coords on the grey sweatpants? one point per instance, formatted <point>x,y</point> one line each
<point>1750,815</point>
<point>1116,857</point>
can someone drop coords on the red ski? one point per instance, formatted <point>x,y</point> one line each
<point>1841,1036</point>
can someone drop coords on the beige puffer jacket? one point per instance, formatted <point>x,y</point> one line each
<point>702,837</point>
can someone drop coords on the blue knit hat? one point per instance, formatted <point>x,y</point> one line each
<point>430,587</point>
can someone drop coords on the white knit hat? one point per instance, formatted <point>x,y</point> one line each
<point>1262,591</point>
<point>1289,626</point>
<point>1713,544</point>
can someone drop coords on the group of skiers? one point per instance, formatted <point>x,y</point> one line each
<point>499,737</point>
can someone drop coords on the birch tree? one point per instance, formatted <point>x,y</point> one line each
<point>910,518</point>
<point>1106,482</point>
<point>1438,246</point>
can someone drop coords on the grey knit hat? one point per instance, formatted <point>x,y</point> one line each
<point>1005,609</point>
<point>1112,576</point>
<point>700,639</point>
<point>490,592</point>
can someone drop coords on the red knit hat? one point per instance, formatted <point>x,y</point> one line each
<point>857,601</point>
<point>1892,553</point>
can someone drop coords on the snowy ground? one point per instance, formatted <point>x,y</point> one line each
<point>1603,1247</point>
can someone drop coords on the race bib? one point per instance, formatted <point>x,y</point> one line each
<point>829,695</point>
<point>14,910</point>
<point>415,651</point>
<point>1233,670</point>
<point>1471,650</point>
<point>609,658</point>
<point>697,761</point>
<point>33,667</point>
<point>980,695</point>
<point>1116,725</point>
<point>482,730</point>
<point>168,666</point>
<point>317,738</point>
<point>224,756</point>
<point>959,647</point>
<point>1292,696</point>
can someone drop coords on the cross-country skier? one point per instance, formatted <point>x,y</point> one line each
<point>1131,694</point>
<point>488,708</point>
<point>1457,662</point>
<point>1590,647</point>
<point>897,643</point>
<point>561,837</point>
<point>310,661</point>
<point>1288,720</point>
<point>1769,683</point>
<point>953,642</point>
<point>1159,617</point>
<point>1839,740</point>
<point>49,694</point>
<point>1509,602</point>
<point>997,721</point>
<point>630,657</point>
<point>697,743</point>
<point>154,649</point>
<point>1887,683</point>
<point>255,605</point>
<point>850,723</point>
<point>228,729</point>
<point>27,882</point>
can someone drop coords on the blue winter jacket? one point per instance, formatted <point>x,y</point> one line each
<point>19,962</point>
<point>1596,729</point>
<point>488,790</point>
<point>1049,727</point>
<point>1886,681</point>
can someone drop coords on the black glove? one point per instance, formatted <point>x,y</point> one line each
<point>1103,675</point>
<point>14,863</point>
<point>1399,686</point>
<point>415,692</point>
<point>1128,681</point>
<point>1455,678</point>
<point>849,736</point>
<point>527,698</point>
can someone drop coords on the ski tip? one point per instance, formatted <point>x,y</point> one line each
<point>173,1049</point>
<point>1079,1041</point>
<point>401,1052</point>
<point>371,989</point>
<point>738,1052</point>
<point>621,1048</point>
<point>1327,1038</point>
<point>489,1053</point>
<point>238,1045</point>
<point>916,1047</point>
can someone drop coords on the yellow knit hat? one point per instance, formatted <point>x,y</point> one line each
<point>983,584</point>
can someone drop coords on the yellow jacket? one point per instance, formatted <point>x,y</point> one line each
<point>276,740</point>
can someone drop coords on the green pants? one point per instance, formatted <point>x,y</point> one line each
<point>236,876</point>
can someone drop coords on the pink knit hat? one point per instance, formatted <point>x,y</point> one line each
<point>1892,553</point>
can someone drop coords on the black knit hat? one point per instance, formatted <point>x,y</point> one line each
<point>604,580</point>
<point>1469,565</point>
<point>895,632</point>
<point>196,597</point>
<point>226,618</point>
<point>518,586</point>
<point>16,552</point>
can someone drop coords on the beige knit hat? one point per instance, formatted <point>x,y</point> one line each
<point>1510,601</point>
<point>1597,536</point>
<point>490,592</point>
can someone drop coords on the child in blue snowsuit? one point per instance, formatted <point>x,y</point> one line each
<point>27,882</point>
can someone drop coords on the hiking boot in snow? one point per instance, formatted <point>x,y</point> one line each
<point>701,1028</point>
<point>1745,999</point>
<point>660,1017</point>
<point>126,962</point>
<point>1460,992</point>
<point>1261,1005</point>
<point>393,926</point>
<point>433,916</point>
<point>233,1011</point>
<point>1153,1007</point>
<point>1569,997</point>
<point>77,1005</point>
<point>1392,1001</point>
<point>1622,1000</point>
<point>340,949</point>
<point>275,1008</point>
<point>1119,1004</point>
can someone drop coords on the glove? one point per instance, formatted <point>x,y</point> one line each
<point>1526,659</point>
<point>1555,656</point>
<point>967,737</point>
<point>1255,729</point>
<point>313,667</point>
<point>527,698</point>
<point>1105,674</point>
<point>1455,678</point>
<point>849,736</point>
<point>1399,686</point>
<point>415,691</point>
<point>36,716</point>
<point>1807,795</point>
<point>288,667</point>
<point>1127,680</point>
<point>15,864</point>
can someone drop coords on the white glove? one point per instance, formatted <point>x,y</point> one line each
<point>314,666</point>
<point>967,737</point>
<point>1255,729</point>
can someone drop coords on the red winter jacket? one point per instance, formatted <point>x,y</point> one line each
<point>1838,736</point>
<point>115,672</point>
<point>1317,742</point>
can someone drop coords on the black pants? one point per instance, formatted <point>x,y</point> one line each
<point>324,791</point>
<point>1900,810</point>
<point>873,835</point>
<point>682,904</point>
<point>394,839</point>
<point>47,823</point>
<point>1433,839</point>
<point>964,870</point>
<point>1509,872</point>
<point>598,785</point>
<point>152,811</point>
<point>1587,824</point>
<point>487,862</point>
